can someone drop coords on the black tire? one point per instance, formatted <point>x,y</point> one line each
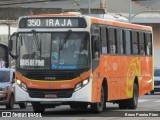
<point>152,92</point>
<point>74,106</point>
<point>83,106</point>
<point>146,94</point>
<point>123,104</point>
<point>133,102</point>
<point>79,105</point>
<point>37,107</point>
<point>23,105</point>
<point>10,103</point>
<point>98,107</point>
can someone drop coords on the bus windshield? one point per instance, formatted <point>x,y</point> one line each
<point>54,50</point>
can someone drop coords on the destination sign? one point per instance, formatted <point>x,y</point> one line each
<point>52,23</point>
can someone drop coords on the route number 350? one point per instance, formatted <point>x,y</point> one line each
<point>34,22</point>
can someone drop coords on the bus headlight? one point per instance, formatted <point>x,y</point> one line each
<point>81,84</point>
<point>22,84</point>
<point>18,82</point>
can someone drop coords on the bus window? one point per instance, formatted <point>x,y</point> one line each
<point>150,47</point>
<point>128,42</point>
<point>135,43</point>
<point>141,43</point>
<point>104,34</point>
<point>148,40</point>
<point>112,40</point>
<point>96,53</point>
<point>120,41</point>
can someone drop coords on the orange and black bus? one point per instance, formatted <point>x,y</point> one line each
<point>79,60</point>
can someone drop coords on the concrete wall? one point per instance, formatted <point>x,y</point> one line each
<point>15,13</point>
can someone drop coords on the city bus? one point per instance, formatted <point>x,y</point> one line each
<point>4,58</point>
<point>81,61</point>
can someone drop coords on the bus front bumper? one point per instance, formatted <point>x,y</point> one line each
<point>82,95</point>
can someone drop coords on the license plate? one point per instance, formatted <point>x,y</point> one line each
<point>50,95</point>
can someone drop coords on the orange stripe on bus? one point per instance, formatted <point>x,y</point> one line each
<point>55,84</point>
<point>121,24</point>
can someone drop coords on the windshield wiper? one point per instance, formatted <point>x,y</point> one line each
<point>62,43</point>
<point>37,42</point>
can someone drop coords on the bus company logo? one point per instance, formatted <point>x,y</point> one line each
<point>31,84</point>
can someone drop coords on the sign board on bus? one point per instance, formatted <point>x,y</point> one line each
<point>52,22</point>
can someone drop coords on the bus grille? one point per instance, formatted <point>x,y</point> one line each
<point>49,75</point>
<point>39,93</point>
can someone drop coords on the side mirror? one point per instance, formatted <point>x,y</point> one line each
<point>10,45</point>
<point>13,81</point>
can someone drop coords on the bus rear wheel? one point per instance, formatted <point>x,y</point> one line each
<point>37,107</point>
<point>133,102</point>
<point>98,107</point>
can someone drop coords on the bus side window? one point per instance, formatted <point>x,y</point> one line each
<point>112,41</point>
<point>150,48</point>
<point>135,47</point>
<point>128,42</point>
<point>141,43</point>
<point>148,41</point>
<point>104,35</point>
<point>120,41</point>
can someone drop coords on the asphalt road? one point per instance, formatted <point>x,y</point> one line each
<point>146,104</point>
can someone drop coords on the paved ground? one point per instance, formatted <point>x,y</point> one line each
<point>146,104</point>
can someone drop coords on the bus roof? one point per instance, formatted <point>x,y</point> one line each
<point>109,22</point>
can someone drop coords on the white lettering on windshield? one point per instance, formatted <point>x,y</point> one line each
<point>31,62</point>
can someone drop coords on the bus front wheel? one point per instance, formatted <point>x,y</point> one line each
<point>37,107</point>
<point>23,105</point>
<point>98,107</point>
<point>79,105</point>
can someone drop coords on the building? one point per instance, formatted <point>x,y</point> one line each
<point>145,12</point>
